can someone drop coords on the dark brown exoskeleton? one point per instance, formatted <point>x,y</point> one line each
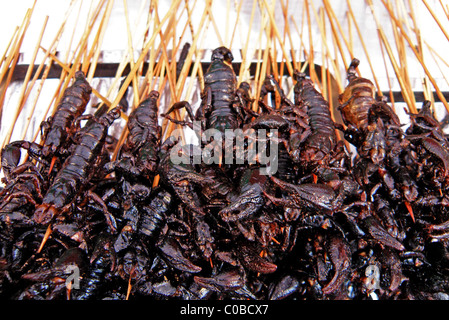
<point>220,85</point>
<point>178,174</point>
<point>102,261</point>
<point>322,139</point>
<point>59,128</point>
<point>139,155</point>
<point>72,105</point>
<point>72,262</point>
<point>218,98</point>
<point>307,196</point>
<point>355,103</point>
<point>340,255</point>
<point>77,170</point>
<point>24,184</point>
<point>146,219</point>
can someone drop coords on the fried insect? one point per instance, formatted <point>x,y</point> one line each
<point>77,170</point>
<point>217,109</point>
<point>59,127</point>
<point>322,139</point>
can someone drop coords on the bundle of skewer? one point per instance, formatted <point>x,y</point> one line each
<point>291,40</point>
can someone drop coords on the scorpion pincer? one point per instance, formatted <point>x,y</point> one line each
<point>77,169</point>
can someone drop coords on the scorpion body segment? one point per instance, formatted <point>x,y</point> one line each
<point>72,105</point>
<point>220,86</point>
<point>139,155</point>
<point>323,138</point>
<point>154,215</point>
<point>77,169</point>
<point>357,99</point>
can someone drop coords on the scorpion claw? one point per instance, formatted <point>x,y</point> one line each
<point>172,252</point>
<point>250,259</point>
<point>225,281</point>
<point>44,214</point>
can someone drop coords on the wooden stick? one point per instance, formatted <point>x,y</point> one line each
<point>288,32</point>
<point>411,106</point>
<point>386,71</point>
<point>261,65</point>
<point>334,21</point>
<point>324,53</point>
<point>26,80</point>
<point>82,46</point>
<point>434,54</point>
<point>131,54</point>
<point>211,17</point>
<point>142,56</point>
<point>13,36</point>
<point>326,47</point>
<point>313,75</point>
<point>431,79</point>
<point>400,45</point>
<point>94,56</point>
<point>90,22</point>
<point>278,36</point>
<point>11,71</point>
<point>14,51</point>
<point>419,41</point>
<point>67,69</point>
<point>246,62</point>
<point>436,19</point>
<point>237,23</point>
<point>359,33</point>
<point>36,98</point>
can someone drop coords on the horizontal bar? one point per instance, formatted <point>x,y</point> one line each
<point>109,70</point>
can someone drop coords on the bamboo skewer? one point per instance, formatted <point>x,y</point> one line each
<point>20,104</point>
<point>431,79</point>
<point>162,40</point>
<point>278,36</point>
<point>446,34</point>
<point>396,67</point>
<point>131,54</point>
<point>11,61</point>
<point>33,108</point>
<point>14,35</point>
<point>359,33</point>
<point>98,40</point>
<point>11,71</point>
<point>68,69</point>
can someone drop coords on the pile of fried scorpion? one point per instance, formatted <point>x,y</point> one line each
<point>326,225</point>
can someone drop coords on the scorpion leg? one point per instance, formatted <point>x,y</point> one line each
<point>110,220</point>
<point>21,194</point>
<point>30,177</point>
<point>340,255</point>
<point>250,258</point>
<point>310,194</point>
<point>172,253</point>
<point>179,105</point>
<point>281,91</point>
<point>282,201</point>
<point>247,204</point>
<point>224,281</point>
